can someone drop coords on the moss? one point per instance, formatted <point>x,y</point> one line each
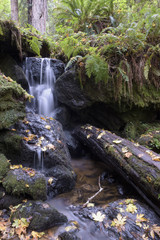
<point>4,166</point>
<point>18,182</point>
<point>12,102</point>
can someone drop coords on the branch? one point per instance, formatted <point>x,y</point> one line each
<point>100,190</point>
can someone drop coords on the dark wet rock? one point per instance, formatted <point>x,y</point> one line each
<point>8,200</point>
<point>107,225</point>
<point>63,115</point>
<point>68,236</point>
<point>62,181</point>
<point>43,216</point>
<point>40,143</point>
<point>12,102</point>
<point>69,92</point>
<point>25,182</point>
<point>4,166</point>
<point>34,64</point>
<point>75,147</point>
<point>10,68</point>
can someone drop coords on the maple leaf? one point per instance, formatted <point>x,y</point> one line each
<point>155,229</point>
<point>48,127</point>
<point>128,154</point>
<point>131,208</point>
<point>37,235</point>
<point>98,217</point>
<point>117,141</point>
<point>15,167</point>
<point>51,146</point>
<point>101,134</point>
<point>50,180</point>
<point>156,158</point>
<point>121,210</point>
<point>119,222</point>
<point>124,150</point>
<point>70,228</point>
<point>139,219</point>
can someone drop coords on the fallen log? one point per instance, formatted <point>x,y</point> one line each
<point>138,165</point>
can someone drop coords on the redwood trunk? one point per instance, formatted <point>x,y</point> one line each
<point>37,14</point>
<point>135,163</point>
<point>14,10</point>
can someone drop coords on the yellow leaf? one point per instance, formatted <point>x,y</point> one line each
<point>88,136</point>
<point>13,129</point>
<point>27,185</point>
<point>15,166</point>
<point>117,141</point>
<point>101,134</point>
<point>119,222</point>
<point>98,217</point>
<point>90,205</point>
<point>48,127</point>
<point>124,150</point>
<point>51,146</point>
<point>139,219</point>
<point>131,208</point>
<point>44,149</point>
<point>156,158</point>
<point>70,228</point>
<point>37,235</point>
<point>43,118</point>
<point>50,180</point>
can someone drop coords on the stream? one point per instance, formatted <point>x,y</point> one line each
<point>91,175</point>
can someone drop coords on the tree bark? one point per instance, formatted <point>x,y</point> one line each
<point>37,14</point>
<point>135,163</point>
<point>14,10</point>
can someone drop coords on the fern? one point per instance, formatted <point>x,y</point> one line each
<point>35,45</point>
<point>147,67</point>
<point>97,67</point>
<point>72,62</point>
<point>122,72</point>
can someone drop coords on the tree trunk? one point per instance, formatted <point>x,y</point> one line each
<point>37,14</point>
<point>136,164</point>
<point>14,10</point>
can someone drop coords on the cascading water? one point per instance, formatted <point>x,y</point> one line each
<point>41,88</point>
<point>41,80</point>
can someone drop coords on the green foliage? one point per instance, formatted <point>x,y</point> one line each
<point>97,67</point>
<point>83,14</point>
<point>35,44</point>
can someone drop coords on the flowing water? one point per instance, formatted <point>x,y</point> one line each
<point>43,90</point>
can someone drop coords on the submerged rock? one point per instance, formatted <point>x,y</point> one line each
<point>25,182</point>
<point>42,215</point>
<point>39,142</point>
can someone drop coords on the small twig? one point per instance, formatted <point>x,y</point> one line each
<point>100,190</point>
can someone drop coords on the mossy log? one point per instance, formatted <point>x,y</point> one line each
<point>138,165</point>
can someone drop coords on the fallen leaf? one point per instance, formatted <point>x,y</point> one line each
<point>124,150</point>
<point>90,205</point>
<point>26,185</point>
<point>131,208</point>
<point>140,219</point>
<point>88,136</point>
<point>98,217</point>
<point>44,149</point>
<point>50,180</point>
<point>15,166</point>
<point>70,228</point>
<point>156,158</point>
<point>48,127</point>
<point>119,222</point>
<point>13,129</point>
<point>117,141</point>
<point>101,134</point>
<point>128,154</point>
<point>51,146</point>
<point>37,235</point>
<point>155,229</point>
<point>140,155</point>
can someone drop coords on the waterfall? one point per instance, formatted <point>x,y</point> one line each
<point>41,85</point>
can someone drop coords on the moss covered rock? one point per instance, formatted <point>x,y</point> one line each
<point>12,102</point>
<point>25,182</point>
<point>4,166</point>
<point>43,216</point>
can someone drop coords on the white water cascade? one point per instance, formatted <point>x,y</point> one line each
<point>43,90</point>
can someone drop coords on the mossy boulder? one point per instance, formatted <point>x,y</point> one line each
<point>43,216</point>
<point>25,182</point>
<point>108,105</point>
<point>12,102</point>
<point>4,166</point>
